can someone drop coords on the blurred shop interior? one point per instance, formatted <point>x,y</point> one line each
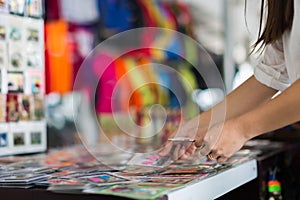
<point>72,33</point>
<point>104,67</point>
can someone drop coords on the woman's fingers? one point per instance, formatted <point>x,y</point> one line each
<point>205,149</point>
<point>175,151</point>
<point>166,149</point>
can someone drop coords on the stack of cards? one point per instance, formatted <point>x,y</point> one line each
<point>146,176</point>
<point>150,160</point>
<point>22,180</point>
<point>106,179</point>
<point>60,185</point>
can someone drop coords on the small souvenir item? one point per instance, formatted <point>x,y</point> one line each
<point>149,160</point>
<point>38,108</point>
<point>34,82</point>
<point>2,108</point>
<point>25,106</point>
<point>4,6</point>
<point>34,8</point>
<point>3,54</point>
<point>35,138</point>
<point>105,179</point>
<point>16,7</point>
<point>3,140</point>
<point>2,32</point>
<point>32,35</point>
<point>12,108</point>
<point>19,138</point>
<point>15,82</point>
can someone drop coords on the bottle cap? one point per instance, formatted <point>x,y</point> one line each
<point>274,186</point>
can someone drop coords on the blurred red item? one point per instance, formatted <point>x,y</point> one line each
<point>59,69</point>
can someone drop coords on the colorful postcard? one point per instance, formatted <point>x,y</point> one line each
<point>16,59</point>
<point>3,113</point>
<point>2,33</point>
<point>38,108</point>
<point>138,170</point>
<point>105,179</point>
<point>22,178</point>
<point>4,6</point>
<point>19,138</point>
<point>3,55</point>
<point>15,82</point>
<point>131,191</point>
<point>34,8</point>
<point>33,58</point>
<point>33,38</point>
<point>12,107</point>
<point>35,82</point>
<point>1,80</point>
<point>36,138</point>
<point>32,35</point>
<point>15,34</point>
<point>150,160</point>
<point>16,7</point>
<point>25,106</point>
<point>3,140</point>
<point>63,181</point>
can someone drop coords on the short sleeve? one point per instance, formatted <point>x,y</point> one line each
<point>271,70</point>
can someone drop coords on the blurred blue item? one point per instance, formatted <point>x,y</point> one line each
<point>116,14</point>
<point>174,49</point>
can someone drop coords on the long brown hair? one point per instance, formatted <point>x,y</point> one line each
<point>280,14</point>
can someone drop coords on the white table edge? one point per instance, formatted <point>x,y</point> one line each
<point>217,185</point>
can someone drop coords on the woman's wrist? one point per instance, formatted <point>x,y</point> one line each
<point>244,127</point>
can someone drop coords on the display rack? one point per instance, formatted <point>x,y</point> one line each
<point>22,119</point>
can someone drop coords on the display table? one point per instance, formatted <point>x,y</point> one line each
<point>208,188</point>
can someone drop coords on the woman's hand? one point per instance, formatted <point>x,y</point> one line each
<point>223,140</point>
<point>182,150</point>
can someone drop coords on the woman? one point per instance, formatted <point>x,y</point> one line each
<point>250,109</point>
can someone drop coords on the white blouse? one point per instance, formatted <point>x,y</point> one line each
<point>279,65</point>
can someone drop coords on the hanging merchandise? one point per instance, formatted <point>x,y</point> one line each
<point>81,39</point>
<point>72,11</point>
<point>159,14</point>
<point>142,95</point>
<point>52,10</point>
<point>146,14</point>
<point>159,17</point>
<point>107,81</point>
<point>59,69</point>
<point>71,33</point>
<point>124,87</point>
<point>183,17</point>
<point>128,16</point>
<point>163,79</point>
<point>274,186</point>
